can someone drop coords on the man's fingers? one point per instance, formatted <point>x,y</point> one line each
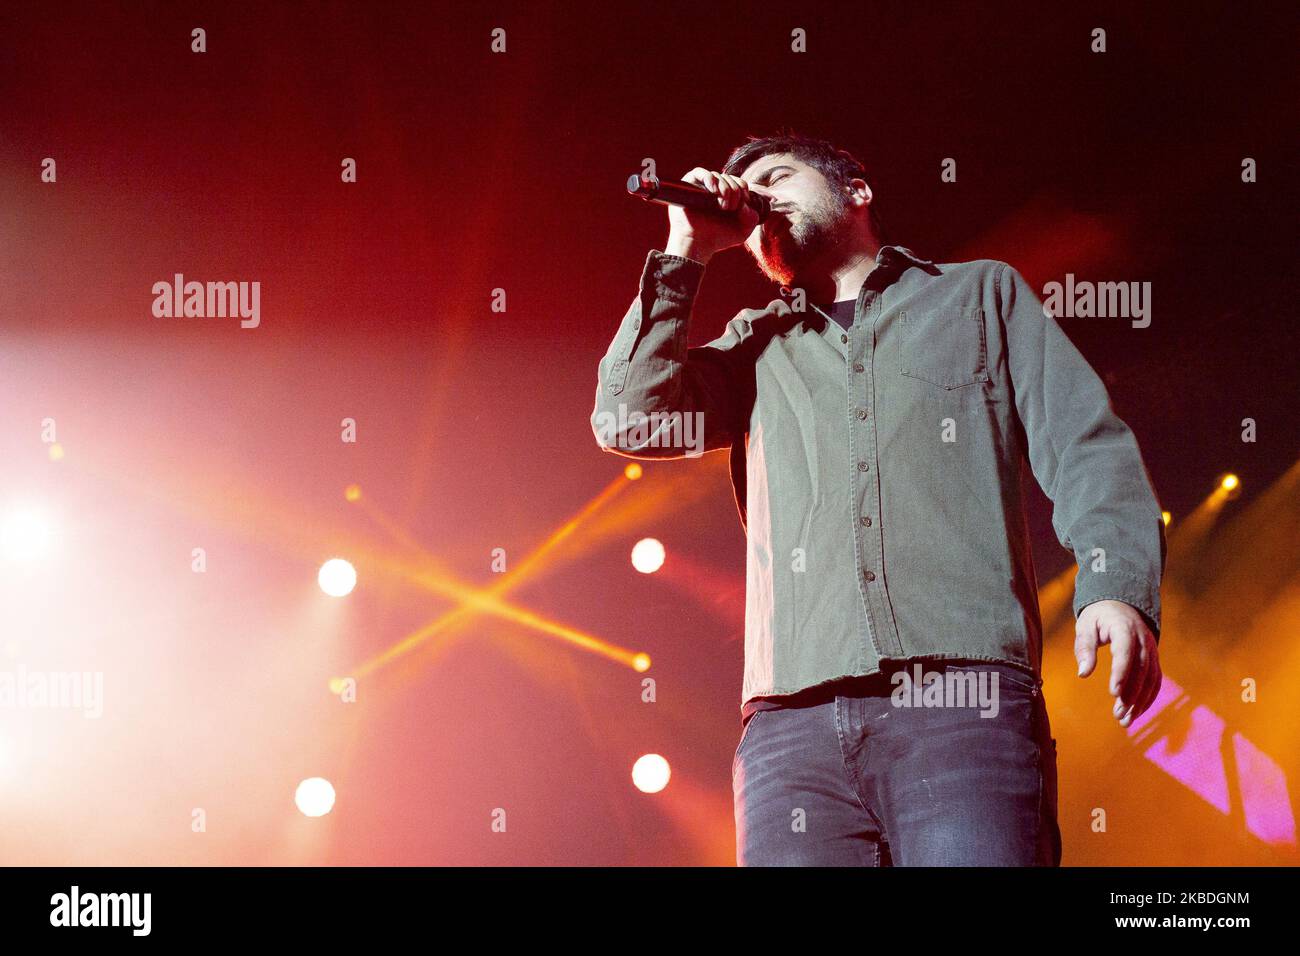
<point>1123,657</point>
<point>699,176</point>
<point>740,194</point>
<point>1143,697</point>
<point>1085,647</point>
<point>724,193</point>
<point>731,191</point>
<point>1131,693</point>
<point>1135,663</point>
<point>1131,689</point>
<point>721,185</point>
<point>1151,681</point>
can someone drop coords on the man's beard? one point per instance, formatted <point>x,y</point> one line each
<point>791,247</point>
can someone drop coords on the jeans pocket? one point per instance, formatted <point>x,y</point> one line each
<point>745,735</point>
<point>945,347</point>
<point>1017,678</point>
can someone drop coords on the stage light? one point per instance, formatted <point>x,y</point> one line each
<point>314,797</point>
<point>641,662</point>
<point>1166,517</point>
<point>632,471</point>
<point>650,773</point>
<point>24,534</point>
<point>352,492</point>
<point>56,452</point>
<point>647,555</point>
<point>337,577</point>
<point>1229,482</point>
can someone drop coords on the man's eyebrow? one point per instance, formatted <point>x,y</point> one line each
<point>766,175</point>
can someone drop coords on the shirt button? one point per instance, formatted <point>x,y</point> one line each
<point>866,523</point>
<point>862,466</point>
<point>870,575</point>
<point>862,413</point>
<point>857,367</point>
<point>844,338</point>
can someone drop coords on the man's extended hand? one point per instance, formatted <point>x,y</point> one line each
<point>1135,658</point>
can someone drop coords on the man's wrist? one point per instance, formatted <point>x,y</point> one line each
<point>687,248</point>
<point>1146,618</point>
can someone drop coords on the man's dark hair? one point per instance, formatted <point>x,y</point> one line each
<point>839,166</point>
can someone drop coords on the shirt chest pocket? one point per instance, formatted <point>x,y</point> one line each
<point>945,347</point>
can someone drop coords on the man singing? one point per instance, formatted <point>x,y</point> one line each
<point>878,415</point>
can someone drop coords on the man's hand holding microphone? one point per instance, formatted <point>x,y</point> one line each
<point>693,234</point>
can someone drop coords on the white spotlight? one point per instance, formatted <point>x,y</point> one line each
<point>650,773</point>
<point>314,797</point>
<point>648,555</point>
<point>337,577</point>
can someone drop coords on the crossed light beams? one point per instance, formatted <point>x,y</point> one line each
<point>281,527</point>
<point>473,601</point>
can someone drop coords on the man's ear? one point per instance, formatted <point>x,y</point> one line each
<point>859,192</point>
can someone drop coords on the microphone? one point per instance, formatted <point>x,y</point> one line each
<point>669,192</point>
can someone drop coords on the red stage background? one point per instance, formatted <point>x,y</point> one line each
<point>479,171</point>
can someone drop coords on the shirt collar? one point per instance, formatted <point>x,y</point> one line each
<point>887,257</point>
<point>888,254</point>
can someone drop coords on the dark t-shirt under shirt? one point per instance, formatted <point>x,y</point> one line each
<point>841,312</point>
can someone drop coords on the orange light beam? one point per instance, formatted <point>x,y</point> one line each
<point>1054,597</point>
<point>475,599</point>
<point>485,600</point>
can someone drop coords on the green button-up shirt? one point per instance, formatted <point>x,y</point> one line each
<point>879,471</point>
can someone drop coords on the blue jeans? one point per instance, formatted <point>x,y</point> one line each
<point>857,780</point>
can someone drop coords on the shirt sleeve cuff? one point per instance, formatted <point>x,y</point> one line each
<point>1113,586</point>
<point>673,277</point>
